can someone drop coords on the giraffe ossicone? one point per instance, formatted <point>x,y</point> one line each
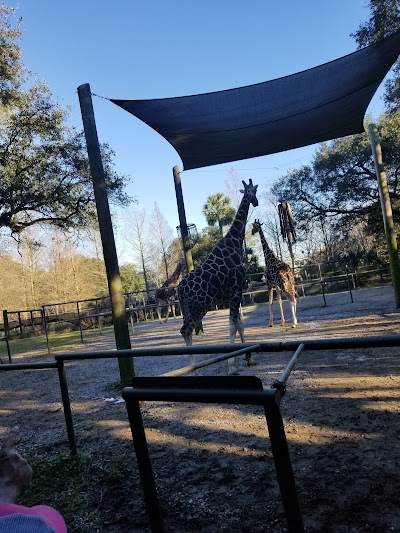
<point>219,279</point>
<point>278,276</point>
<point>166,294</point>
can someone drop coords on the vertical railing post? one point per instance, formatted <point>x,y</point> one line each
<point>144,465</point>
<point>283,466</point>
<point>66,406</point>
<point>7,333</point>
<point>44,322</point>
<point>79,321</point>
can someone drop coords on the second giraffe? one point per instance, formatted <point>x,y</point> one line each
<point>279,276</point>
<point>166,294</point>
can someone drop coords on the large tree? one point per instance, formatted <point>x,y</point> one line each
<point>384,20</point>
<point>339,185</point>
<point>11,71</point>
<point>44,171</point>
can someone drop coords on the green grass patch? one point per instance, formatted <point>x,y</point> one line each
<point>58,342</point>
<point>80,487</point>
<point>64,482</point>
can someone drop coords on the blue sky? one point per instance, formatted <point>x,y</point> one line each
<point>155,49</point>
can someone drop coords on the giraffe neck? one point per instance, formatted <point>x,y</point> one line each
<point>269,255</point>
<point>238,228</point>
<point>174,276</point>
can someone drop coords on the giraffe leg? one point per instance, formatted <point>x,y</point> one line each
<point>158,309</point>
<point>279,296</point>
<point>271,314</point>
<point>240,329</point>
<point>293,305</point>
<point>291,298</point>
<point>233,327</point>
<point>187,334</point>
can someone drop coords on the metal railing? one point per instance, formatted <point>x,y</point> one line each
<point>228,389</point>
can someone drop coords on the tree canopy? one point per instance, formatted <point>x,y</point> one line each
<point>10,55</point>
<point>384,20</point>
<point>44,170</point>
<point>340,183</point>
<point>337,192</point>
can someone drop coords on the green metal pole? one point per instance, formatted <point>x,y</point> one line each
<point>182,219</point>
<point>386,211</point>
<point>184,231</point>
<point>120,320</point>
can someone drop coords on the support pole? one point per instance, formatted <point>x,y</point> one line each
<point>283,466</point>
<point>184,231</point>
<point>182,219</point>
<point>386,211</point>
<point>120,321</point>
<point>145,468</point>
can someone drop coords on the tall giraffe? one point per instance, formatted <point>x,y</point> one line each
<point>166,294</point>
<point>220,278</point>
<point>280,276</point>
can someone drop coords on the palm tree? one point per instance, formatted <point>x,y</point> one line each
<point>218,211</point>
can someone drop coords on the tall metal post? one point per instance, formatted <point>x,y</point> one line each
<point>184,231</point>
<point>120,320</point>
<point>182,219</point>
<point>386,211</point>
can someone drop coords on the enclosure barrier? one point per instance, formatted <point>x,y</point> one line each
<point>208,362</point>
<point>134,310</point>
<point>281,383</point>
<point>63,388</point>
<point>248,394</point>
<point>238,390</point>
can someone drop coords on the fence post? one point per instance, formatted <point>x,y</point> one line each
<point>283,466</point>
<point>386,211</point>
<point>7,333</point>
<point>44,322</point>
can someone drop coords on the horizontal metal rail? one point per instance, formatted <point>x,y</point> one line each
<point>59,365</point>
<point>209,395</point>
<point>27,366</point>
<point>280,384</point>
<point>200,349</point>
<point>204,349</point>
<point>191,368</point>
<point>208,390</point>
<point>286,373</point>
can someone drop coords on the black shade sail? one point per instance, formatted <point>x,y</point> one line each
<point>319,104</point>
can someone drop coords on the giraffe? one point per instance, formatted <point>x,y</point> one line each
<point>166,294</point>
<point>219,278</point>
<point>280,276</point>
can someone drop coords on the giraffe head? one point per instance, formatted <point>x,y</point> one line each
<point>250,191</point>
<point>256,227</point>
<point>181,263</point>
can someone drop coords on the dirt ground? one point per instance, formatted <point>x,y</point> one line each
<point>213,463</point>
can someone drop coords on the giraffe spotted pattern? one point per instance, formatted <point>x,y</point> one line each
<point>166,294</point>
<point>279,276</point>
<point>219,279</point>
